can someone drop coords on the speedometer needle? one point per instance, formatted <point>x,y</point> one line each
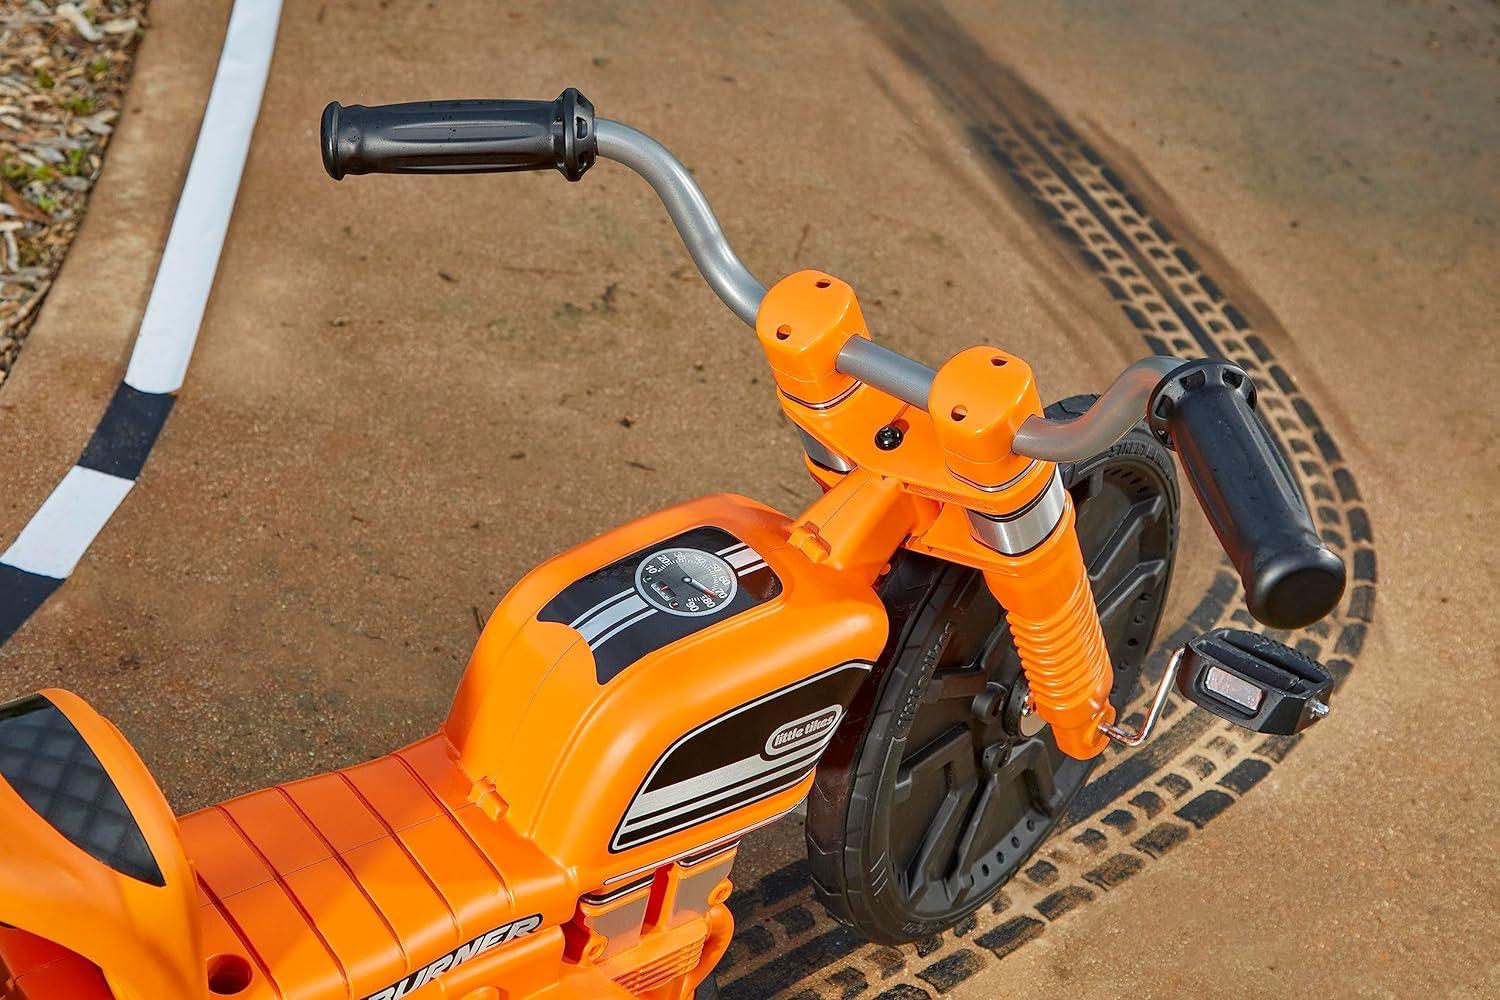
<point>694,583</point>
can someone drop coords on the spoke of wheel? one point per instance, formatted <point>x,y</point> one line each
<point>950,761</point>
<point>1123,542</point>
<point>954,750</point>
<point>961,682</point>
<point>996,648</point>
<point>1145,576</point>
<point>1031,763</point>
<point>977,839</point>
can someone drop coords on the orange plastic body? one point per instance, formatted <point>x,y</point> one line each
<point>553,839</point>
<point>954,458</point>
<point>353,884</point>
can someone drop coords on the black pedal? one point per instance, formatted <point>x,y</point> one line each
<point>1254,682</point>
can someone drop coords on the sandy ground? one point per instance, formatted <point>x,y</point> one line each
<point>408,391</point>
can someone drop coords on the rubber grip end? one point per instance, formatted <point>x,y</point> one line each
<point>1296,587</point>
<point>329,139</point>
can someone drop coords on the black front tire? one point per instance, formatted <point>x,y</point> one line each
<point>924,806</point>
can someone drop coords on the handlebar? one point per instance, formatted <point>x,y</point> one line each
<point>493,136</point>
<point>1202,409</point>
<point>1205,411</point>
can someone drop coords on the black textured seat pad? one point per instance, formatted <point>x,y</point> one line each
<point>52,768</point>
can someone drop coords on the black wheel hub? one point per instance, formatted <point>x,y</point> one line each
<point>974,796</point>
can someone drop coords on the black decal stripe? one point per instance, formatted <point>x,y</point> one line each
<point>775,767</point>
<point>733,737</point>
<point>746,795</point>
<point>615,648</point>
<point>598,609</point>
<point>742,732</point>
<point>622,626</point>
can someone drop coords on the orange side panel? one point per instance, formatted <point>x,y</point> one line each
<point>336,811</point>
<point>393,882</point>
<point>270,822</point>
<point>33,968</point>
<point>393,793</point>
<point>222,857</point>
<point>74,978</point>
<point>358,936</point>
<point>449,858</point>
<point>433,765</point>
<point>418,914</point>
<point>21,952</point>
<point>346,883</point>
<point>220,939</point>
<point>296,954</point>
<point>528,872</point>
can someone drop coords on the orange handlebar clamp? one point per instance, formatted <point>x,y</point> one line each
<point>971,499</point>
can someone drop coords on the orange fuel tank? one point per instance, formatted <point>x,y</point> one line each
<point>662,688</point>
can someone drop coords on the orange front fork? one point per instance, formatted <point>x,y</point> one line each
<point>1050,607</point>
<point>944,481</point>
<point>1035,567</point>
<point>1045,592</point>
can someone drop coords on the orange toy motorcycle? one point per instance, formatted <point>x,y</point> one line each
<point>937,649</point>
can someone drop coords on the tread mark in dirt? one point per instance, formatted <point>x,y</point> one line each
<point>1139,806</point>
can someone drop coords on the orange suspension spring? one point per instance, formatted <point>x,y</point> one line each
<point>1050,607</point>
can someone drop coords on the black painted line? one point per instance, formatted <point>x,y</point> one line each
<point>21,593</point>
<point>119,446</point>
<point>122,441</point>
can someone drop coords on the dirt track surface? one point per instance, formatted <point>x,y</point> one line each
<point>408,391</point>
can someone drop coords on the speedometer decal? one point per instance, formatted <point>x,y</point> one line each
<point>661,594</point>
<point>688,582</point>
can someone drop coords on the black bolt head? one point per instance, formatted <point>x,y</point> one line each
<point>888,437</point>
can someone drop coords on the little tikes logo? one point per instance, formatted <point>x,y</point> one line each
<point>503,934</point>
<point>802,732</point>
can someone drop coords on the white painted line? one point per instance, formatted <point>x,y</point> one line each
<point>174,312</point>
<point>60,532</point>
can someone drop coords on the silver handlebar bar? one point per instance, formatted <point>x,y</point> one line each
<point>690,211</point>
<point>1117,409</point>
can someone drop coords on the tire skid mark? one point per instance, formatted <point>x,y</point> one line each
<point>1140,805</point>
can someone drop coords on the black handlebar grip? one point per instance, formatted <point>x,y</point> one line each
<point>1205,410</point>
<point>461,137</point>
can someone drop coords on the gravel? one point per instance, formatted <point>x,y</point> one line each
<point>64,68</point>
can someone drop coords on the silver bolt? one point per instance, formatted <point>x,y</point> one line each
<point>1317,708</point>
<point>1031,723</point>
